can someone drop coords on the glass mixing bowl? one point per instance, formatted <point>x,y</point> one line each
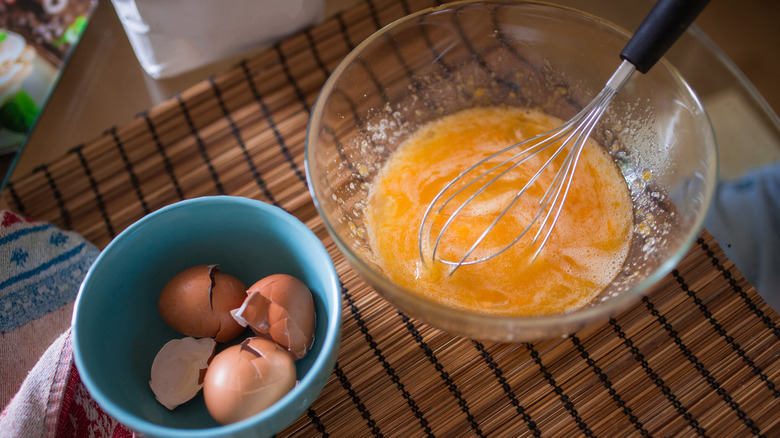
<point>442,60</point>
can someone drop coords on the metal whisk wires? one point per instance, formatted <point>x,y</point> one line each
<point>569,138</point>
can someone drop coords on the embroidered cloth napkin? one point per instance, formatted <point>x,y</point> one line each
<point>43,267</point>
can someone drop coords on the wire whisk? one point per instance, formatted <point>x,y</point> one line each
<point>664,24</point>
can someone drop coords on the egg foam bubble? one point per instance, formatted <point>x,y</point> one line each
<point>584,253</point>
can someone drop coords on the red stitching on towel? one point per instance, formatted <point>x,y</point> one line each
<point>81,415</point>
<point>10,218</point>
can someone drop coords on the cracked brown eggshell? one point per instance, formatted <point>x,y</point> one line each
<point>179,368</point>
<point>245,379</point>
<point>290,307</point>
<point>197,302</point>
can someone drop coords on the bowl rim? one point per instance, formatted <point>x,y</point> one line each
<point>323,363</point>
<point>417,305</point>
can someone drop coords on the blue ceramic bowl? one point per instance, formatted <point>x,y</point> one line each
<point>118,329</point>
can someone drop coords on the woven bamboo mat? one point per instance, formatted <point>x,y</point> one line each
<point>699,355</point>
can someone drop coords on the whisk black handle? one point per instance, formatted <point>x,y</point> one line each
<point>661,28</point>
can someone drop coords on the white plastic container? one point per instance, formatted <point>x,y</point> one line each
<point>171,37</point>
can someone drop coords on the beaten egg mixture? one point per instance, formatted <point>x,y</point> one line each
<point>584,253</point>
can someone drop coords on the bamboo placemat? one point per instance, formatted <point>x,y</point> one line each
<point>699,355</point>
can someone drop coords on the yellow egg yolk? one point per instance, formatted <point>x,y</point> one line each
<point>584,253</point>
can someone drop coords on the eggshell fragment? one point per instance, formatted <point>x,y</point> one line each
<point>291,317</point>
<point>178,370</point>
<point>245,379</point>
<point>253,312</point>
<point>197,302</point>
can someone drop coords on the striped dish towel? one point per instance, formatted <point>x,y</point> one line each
<point>42,269</point>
